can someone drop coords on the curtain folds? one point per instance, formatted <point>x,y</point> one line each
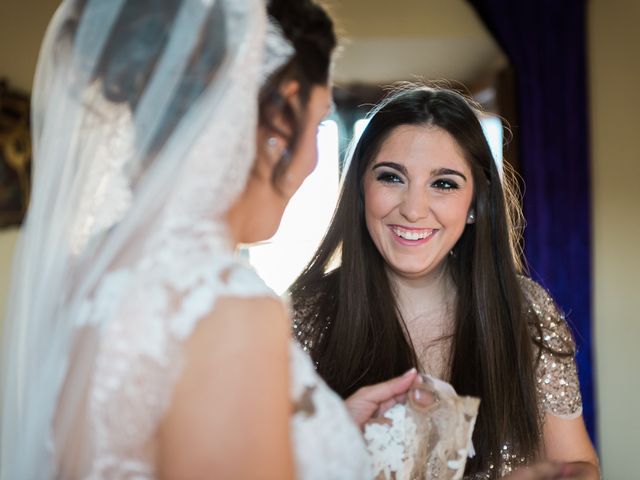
<point>545,41</point>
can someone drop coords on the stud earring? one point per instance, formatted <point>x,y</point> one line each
<point>272,142</point>
<point>471,218</point>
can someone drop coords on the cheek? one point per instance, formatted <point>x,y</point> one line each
<point>378,201</point>
<point>305,158</point>
<point>311,156</point>
<point>454,211</point>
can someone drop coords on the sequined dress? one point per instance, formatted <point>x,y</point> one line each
<point>556,376</point>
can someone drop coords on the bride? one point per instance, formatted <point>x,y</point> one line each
<point>137,343</point>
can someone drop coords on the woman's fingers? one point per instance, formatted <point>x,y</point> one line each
<point>368,401</point>
<point>384,391</point>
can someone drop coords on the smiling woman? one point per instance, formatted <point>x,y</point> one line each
<point>418,199</point>
<point>429,276</point>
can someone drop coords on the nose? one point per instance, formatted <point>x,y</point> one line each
<point>415,204</point>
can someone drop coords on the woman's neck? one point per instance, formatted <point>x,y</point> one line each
<point>423,295</point>
<point>427,305</point>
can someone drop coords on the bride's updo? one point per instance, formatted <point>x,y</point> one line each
<point>310,30</point>
<point>141,32</point>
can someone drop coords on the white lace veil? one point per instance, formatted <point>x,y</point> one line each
<point>144,120</point>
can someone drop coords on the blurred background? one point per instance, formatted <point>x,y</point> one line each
<point>564,74</point>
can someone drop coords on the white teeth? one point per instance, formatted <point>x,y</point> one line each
<point>412,234</point>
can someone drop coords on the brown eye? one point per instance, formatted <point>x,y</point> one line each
<point>444,184</point>
<point>388,177</point>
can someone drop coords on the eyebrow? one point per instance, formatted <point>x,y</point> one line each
<point>396,166</point>
<point>402,169</point>
<point>448,171</point>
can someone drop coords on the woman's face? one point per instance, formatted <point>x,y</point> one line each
<point>257,214</point>
<point>417,198</point>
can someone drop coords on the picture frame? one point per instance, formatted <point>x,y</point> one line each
<point>15,155</point>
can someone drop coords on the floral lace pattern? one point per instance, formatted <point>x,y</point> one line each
<point>138,364</point>
<point>327,443</point>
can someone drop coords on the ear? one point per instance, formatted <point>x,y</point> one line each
<point>287,98</point>
<point>289,90</point>
<point>471,216</point>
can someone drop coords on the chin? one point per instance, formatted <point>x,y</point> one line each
<point>414,271</point>
<point>260,234</point>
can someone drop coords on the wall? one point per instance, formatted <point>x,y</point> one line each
<point>7,243</point>
<point>22,26</point>
<point>614,57</point>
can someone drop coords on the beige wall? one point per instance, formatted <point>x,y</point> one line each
<point>614,57</point>
<point>7,243</point>
<point>22,26</point>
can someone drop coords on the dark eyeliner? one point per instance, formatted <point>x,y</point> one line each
<point>388,177</point>
<point>445,184</point>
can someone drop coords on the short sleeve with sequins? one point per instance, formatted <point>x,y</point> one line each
<point>556,373</point>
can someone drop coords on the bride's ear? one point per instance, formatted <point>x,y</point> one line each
<point>275,136</point>
<point>287,108</point>
<point>289,91</point>
<point>277,128</point>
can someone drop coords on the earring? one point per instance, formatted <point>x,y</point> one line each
<point>275,151</point>
<point>272,142</point>
<point>471,218</point>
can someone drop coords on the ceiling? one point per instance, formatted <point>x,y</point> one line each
<point>383,41</point>
<point>380,40</point>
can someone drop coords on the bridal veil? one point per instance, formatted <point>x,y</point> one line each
<point>144,117</point>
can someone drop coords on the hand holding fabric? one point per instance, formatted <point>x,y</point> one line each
<point>372,401</point>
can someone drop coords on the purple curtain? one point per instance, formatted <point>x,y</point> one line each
<point>545,41</point>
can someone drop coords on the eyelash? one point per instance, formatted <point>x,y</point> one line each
<point>388,177</point>
<point>445,184</point>
<point>440,184</point>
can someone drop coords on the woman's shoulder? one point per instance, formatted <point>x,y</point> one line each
<point>546,320</point>
<point>556,374</point>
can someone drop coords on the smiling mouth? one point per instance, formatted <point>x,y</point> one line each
<point>412,234</point>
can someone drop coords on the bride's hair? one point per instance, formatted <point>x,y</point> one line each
<point>310,30</point>
<point>142,30</point>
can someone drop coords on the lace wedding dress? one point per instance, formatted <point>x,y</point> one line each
<point>138,364</point>
<point>144,121</point>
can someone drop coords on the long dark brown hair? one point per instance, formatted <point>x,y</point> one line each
<point>350,314</point>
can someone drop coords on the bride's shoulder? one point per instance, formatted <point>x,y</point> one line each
<point>247,313</point>
<point>245,304</point>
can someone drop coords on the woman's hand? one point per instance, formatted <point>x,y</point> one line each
<point>556,471</point>
<point>374,400</point>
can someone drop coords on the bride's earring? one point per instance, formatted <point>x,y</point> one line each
<point>276,151</point>
<point>272,146</point>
